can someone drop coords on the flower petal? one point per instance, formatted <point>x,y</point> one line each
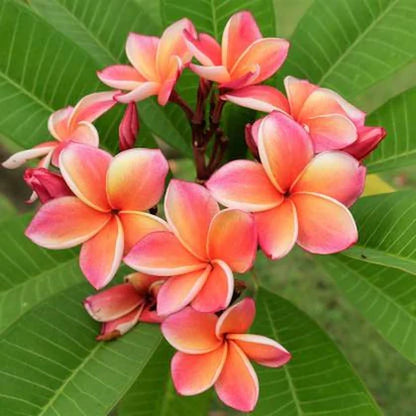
<point>20,158</point>
<point>178,291</point>
<point>113,303</point>
<point>86,180</point>
<point>136,179</point>
<point>285,149</point>
<point>205,48</point>
<point>237,319</point>
<point>171,76</point>
<point>123,77</point>
<point>335,174</point>
<point>253,193</point>
<point>232,238</point>
<point>297,91</point>
<point>217,291</point>
<point>65,222</point>
<point>278,229</point>
<point>216,73</point>
<point>189,209</point>
<point>150,316</point>
<point>259,97</point>
<point>162,254</point>
<point>101,255</point>
<point>195,373</point>
<point>142,91</point>
<point>58,123</point>
<point>238,386</point>
<point>137,225</point>
<point>325,225</point>
<point>191,332</point>
<point>368,139</point>
<point>85,133</point>
<point>262,350</point>
<point>242,81</point>
<point>239,33</point>
<point>141,51</point>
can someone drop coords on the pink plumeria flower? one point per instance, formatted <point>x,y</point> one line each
<point>244,58</point>
<point>216,351</point>
<point>295,196</point>
<point>156,64</point>
<point>332,122</point>
<point>106,215</point>
<point>70,124</point>
<point>200,250</point>
<point>121,307</point>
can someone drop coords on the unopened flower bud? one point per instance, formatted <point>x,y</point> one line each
<point>129,127</point>
<point>251,144</point>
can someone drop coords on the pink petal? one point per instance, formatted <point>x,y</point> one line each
<point>65,222</point>
<point>217,291</point>
<point>205,48</point>
<point>232,238</point>
<point>162,254</point>
<point>150,316</point>
<point>325,225</point>
<point>259,97</point>
<point>237,319</point>
<point>216,73</point>
<point>191,332</point>
<point>142,91</point>
<point>141,52</point>
<point>123,77</point>
<point>238,386</point>
<point>285,149</point>
<point>136,179</point>
<point>58,123</point>
<point>85,133</point>
<point>172,74</point>
<point>178,291</point>
<point>193,374</point>
<point>335,174</point>
<point>297,91</point>
<point>368,139</point>
<point>20,158</point>
<point>113,303</point>
<point>278,229</point>
<point>253,193</point>
<point>137,225</point>
<point>239,33</point>
<point>84,169</point>
<point>242,81</point>
<point>101,255</point>
<point>268,53</point>
<point>189,209</point>
<point>262,350</point>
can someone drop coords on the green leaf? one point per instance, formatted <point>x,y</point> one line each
<point>350,45</point>
<point>318,380</point>
<point>153,392</point>
<point>398,149</point>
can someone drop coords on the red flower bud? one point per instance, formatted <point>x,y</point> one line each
<point>251,144</point>
<point>129,127</point>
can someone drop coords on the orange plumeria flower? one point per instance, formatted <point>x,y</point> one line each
<point>156,64</point>
<point>106,215</point>
<point>200,249</point>
<point>215,351</point>
<point>244,57</point>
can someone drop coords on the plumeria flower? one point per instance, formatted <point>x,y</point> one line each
<point>70,124</point>
<point>244,57</point>
<point>216,351</point>
<point>156,64</point>
<point>332,122</point>
<point>121,307</point>
<point>106,215</point>
<point>295,196</point>
<point>200,249</point>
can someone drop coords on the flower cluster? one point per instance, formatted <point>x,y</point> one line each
<point>306,171</point>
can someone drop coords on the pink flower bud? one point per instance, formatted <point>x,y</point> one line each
<point>251,144</point>
<point>129,127</point>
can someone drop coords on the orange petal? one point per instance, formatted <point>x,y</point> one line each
<point>262,350</point>
<point>123,77</point>
<point>232,238</point>
<point>285,149</point>
<point>58,123</point>
<point>113,303</point>
<point>205,48</point>
<point>297,91</point>
<point>162,254</point>
<point>171,76</point>
<point>195,373</point>
<point>101,255</point>
<point>137,225</point>
<point>85,133</point>
<point>237,319</point>
<point>136,178</point>
<point>86,180</point>
<point>216,73</point>
<point>141,52</point>
<point>335,174</point>
<point>325,225</point>
<point>189,209</point>
<point>178,291</point>
<point>65,222</point>
<point>238,386</point>
<point>191,331</point>
<point>254,193</point>
<point>217,291</point>
<point>277,229</point>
